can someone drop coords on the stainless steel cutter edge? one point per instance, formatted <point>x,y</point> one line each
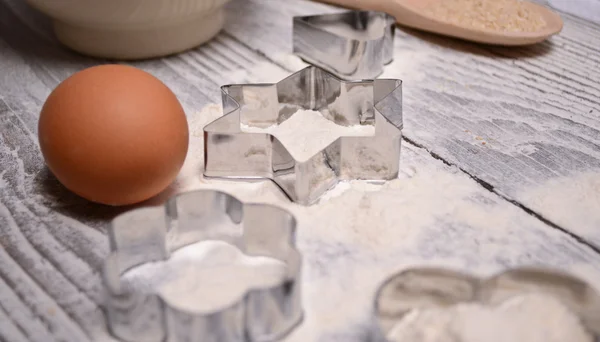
<point>351,45</point>
<point>151,234</point>
<point>230,152</point>
<point>389,308</point>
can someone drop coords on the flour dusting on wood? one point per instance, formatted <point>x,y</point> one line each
<point>537,108</point>
<point>432,214</point>
<point>568,201</point>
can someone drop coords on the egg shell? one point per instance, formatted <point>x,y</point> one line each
<point>113,134</point>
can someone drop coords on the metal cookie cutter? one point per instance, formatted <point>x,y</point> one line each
<point>152,234</point>
<point>232,153</point>
<point>421,288</point>
<point>350,45</point>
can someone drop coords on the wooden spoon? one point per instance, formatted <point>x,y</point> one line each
<point>411,13</point>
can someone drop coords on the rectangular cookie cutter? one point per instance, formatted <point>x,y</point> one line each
<point>151,234</point>
<point>420,288</point>
<point>351,45</point>
<point>232,153</point>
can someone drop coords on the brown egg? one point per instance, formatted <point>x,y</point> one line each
<point>113,134</point>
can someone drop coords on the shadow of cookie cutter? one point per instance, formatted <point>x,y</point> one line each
<point>230,152</point>
<point>151,234</point>
<point>351,45</point>
<point>421,288</point>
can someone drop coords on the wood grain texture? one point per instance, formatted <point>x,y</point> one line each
<point>513,118</point>
<point>53,243</point>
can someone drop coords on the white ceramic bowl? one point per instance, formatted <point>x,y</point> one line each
<point>133,29</point>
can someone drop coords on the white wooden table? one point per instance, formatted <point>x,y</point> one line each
<point>501,148</point>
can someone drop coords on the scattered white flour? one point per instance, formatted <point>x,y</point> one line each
<point>290,61</point>
<point>491,229</point>
<point>206,276</point>
<point>562,199</point>
<point>528,318</point>
<point>307,132</point>
<point>347,253</point>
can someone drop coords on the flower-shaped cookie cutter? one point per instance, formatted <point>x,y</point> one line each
<point>351,45</point>
<point>233,153</point>
<point>151,234</point>
<point>422,288</point>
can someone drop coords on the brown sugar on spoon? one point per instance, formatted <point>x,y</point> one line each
<point>496,22</point>
<point>497,15</point>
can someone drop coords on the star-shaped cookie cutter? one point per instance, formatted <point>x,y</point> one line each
<point>151,234</point>
<point>233,153</point>
<point>428,287</point>
<point>351,45</point>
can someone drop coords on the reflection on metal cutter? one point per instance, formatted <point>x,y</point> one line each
<point>351,45</point>
<point>151,234</point>
<point>232,153</point>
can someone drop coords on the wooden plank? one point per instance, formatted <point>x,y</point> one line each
<point>53,243</point>
<point>340,264</point>
<point>588,9</point>
<point>518,119</point>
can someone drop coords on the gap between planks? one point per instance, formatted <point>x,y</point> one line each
<point>489,187</point>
